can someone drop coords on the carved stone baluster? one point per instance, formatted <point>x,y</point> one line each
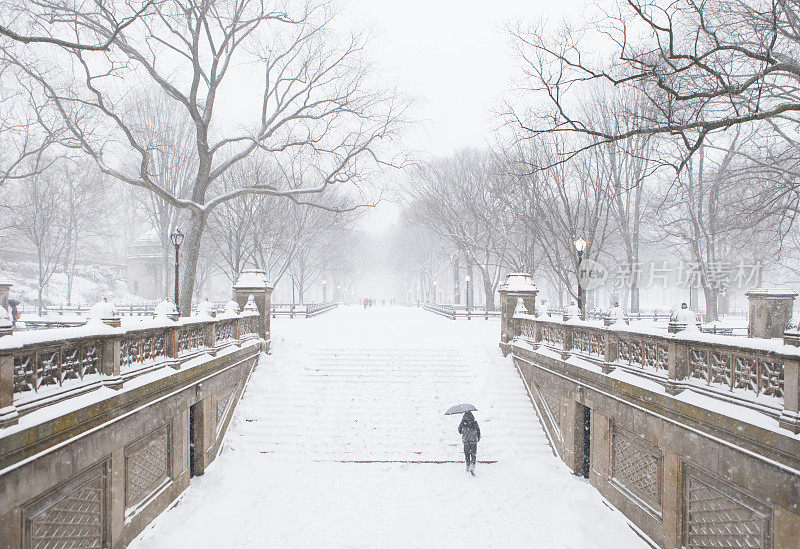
<point>173,347</point>
<point>211,337</point>
<point>790,417</point>
<point>8,412</point>
<point>610,351</point>
<point>111,361</point>
<point>567,341</point>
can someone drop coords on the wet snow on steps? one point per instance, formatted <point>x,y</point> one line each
<point>357,386</point>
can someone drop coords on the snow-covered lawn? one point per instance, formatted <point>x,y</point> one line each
<point>371,386</point>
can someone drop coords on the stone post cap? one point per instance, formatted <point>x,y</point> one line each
<point>767,293</point>
<point>206,308</point>
<point>521,309</point>
<point>167,308</point>
<point>232,308</point>
<point>251,303</point>
<point>252,279</point>
<point>518,282</point>
<point>5,318</point>
<point>5,283</point>
<point>104,311</point>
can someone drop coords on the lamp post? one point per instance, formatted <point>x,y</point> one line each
<point>177,240</point>
<point>580,246</point>
<point>434,291</point>
<point>324,291</point>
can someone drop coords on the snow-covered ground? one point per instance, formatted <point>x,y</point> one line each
<point>335,442</point>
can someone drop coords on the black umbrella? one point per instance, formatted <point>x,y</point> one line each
<point>460,409</point>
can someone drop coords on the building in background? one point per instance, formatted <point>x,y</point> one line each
<point>144,264</point>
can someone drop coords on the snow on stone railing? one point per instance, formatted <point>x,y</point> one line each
<point>452,312</point>
<point>41,367</point>
<point>761,374</point>
<point>303,311</point>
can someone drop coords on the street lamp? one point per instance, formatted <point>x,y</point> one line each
<point>434,291</point>
<point>177,240</point>
<point>580,246</point>
<point>468,300</point>
<point>324,291</point>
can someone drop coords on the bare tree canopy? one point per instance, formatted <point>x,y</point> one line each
<point>49,17</point>
<point>311,106</point>
<point>703,67</point>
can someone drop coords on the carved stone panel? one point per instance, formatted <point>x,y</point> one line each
<point>637,466</point>
<point>147,466</point>
<point>225,401</point>
<point>718,515</point>
<point>552,406</point>
<point>72,515</point>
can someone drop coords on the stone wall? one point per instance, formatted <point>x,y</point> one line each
<point>97,474</point>
<point>685,474</point>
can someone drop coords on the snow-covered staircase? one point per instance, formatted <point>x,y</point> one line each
<point>383,404</point>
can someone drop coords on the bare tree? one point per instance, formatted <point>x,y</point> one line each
<point>704,216</point>
<point>565,202</point>
<point>462,198</point>
<point>84,216</point>
<point>57,24</point>
<point>314,99</point>
<point>35,218</point>
<point>703,67</point>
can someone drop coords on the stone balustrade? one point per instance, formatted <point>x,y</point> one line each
<point>43,367</point>
<point>692,436</point>
<point>757,373</point>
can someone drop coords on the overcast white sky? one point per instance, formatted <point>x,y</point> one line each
<point>454,59</point>
<point>452,56</point>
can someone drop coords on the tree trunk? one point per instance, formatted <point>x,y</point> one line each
<point>471,286</point>
<point>456,281</point>
<point>711,295</point>
<point>70,276</point>
<point>488,290</point>
<point>166,272</point>
<point>634,297</point>
<point>189,254</point>
<point>39,304</point>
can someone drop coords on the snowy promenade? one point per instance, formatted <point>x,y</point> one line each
<point>334,441</point>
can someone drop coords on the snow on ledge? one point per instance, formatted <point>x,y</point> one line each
<point>775,345</point>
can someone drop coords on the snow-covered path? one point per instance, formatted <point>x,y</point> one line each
<point>339,439</point>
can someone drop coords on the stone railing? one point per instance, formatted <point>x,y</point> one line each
<point>761,374</point>
<point>43,367</point>
<point>302,311</point>
<point>454,312</point>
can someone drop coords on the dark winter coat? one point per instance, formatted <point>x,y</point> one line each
<point>470,432</point>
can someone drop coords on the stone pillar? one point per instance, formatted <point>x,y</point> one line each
<point>790,417</point>
<point>8,412</point>
<point>770,312</point>
<point>5,288</point>
<point>516,286</point>
<point>672,510</point>
<point>254,282</point>
<point>111,362</point>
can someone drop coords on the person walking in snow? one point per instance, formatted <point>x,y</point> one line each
<point>470,435</point>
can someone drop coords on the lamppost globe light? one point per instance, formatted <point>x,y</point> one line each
<point>435,283</point>
<point>467,278</point>
<point>580,244</point>
<point>177,238</point>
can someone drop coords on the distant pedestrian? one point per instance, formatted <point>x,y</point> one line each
<point>366,301</point>
<point>470,435</point>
